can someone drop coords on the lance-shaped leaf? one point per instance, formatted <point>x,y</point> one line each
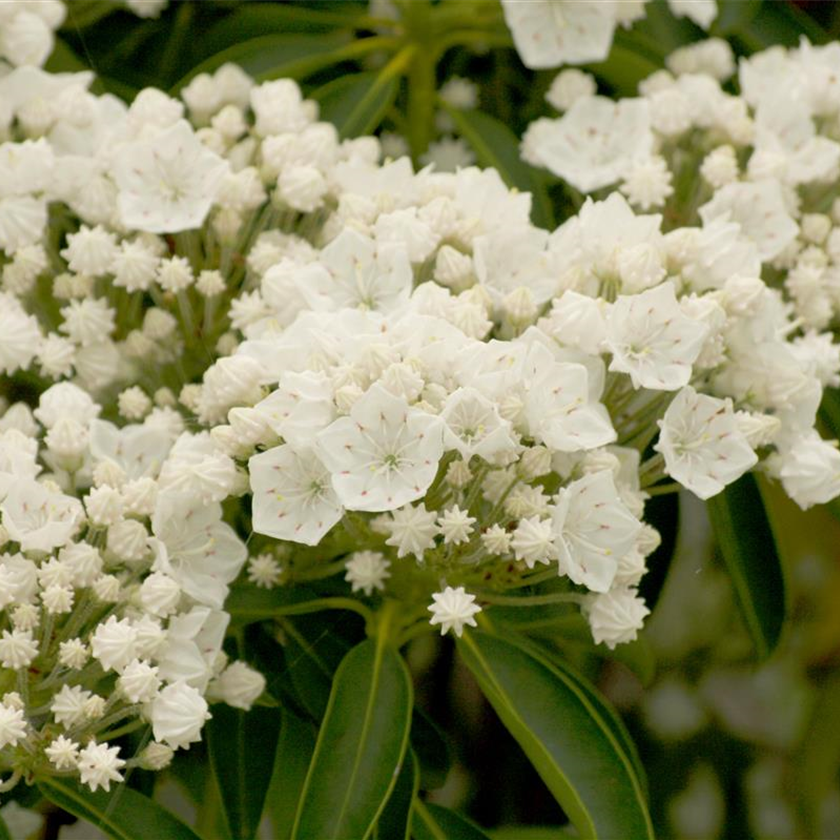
<point>360,747</point>
<point>122,814</point>
<point>242,749</point>
<point>746,543</point>
<point>564,735</point>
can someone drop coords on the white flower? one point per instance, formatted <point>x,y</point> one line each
<point>264,571</point>
<point>178,714</point>
<point>592,530</point>
<point>496,540</point>
<point>356,271</point>
<point>413,529</point>
<point>63,753</point>
<point>99,765</point>
<point>197,469</point>
<point>809,469</point>
<point>452,609</point>
<point>456,525</point>
<point>703,445</point>
<point>12,726</point>
<point>384,454</point>
<point>652,340</point>
<point>38,519</point>
<point>160,594</point>
<point>558,406</point>
<point>238,686</point>
<point>73,653</point>
<point>68,705</point>
<point>568,86</point>
<point>759,208</point>
<point>198,550</point>
<point>300,407</point>
<point>20,335</point>
<point>616,616</point>
<point>192,644</point>
<point>366,571</point>
<point>139,681</point>
<point>533,541</point>
<point>594,144</point>
<point>548,33</point>
<point>113,643</point>
<point>293,496</point>
<point>167,184</point>
<point>474,427</point>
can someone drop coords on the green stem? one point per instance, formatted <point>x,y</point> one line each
<point>531,600</point>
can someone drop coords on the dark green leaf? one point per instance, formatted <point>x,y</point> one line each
<point>394,822</point>
<point>432,822</point>
<point>314,649</point>
<point>274,56</point>
<point>4,830</point>
<point>122,814</point>
<point>294,752</point>
<point>360,746</point>
<point>355,104</point>
<point>746,543</point>
<point>607,714</point>
<point>242,749</point>
<point>254,20</point>
<point>432,750</point>
<point>564,735</point>
<point>496,145</point>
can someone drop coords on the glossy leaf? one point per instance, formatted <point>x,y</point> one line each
<point>607,714</point>
<point>564,735</point>
<point>394,822</point>
<point>433,822</point>
<point>294,752</point>
<point>746,543</point>
<point>314,650</point>
<point>242,748</point>
<point>252,20</point>
<point>496,145</point>
<point>274,56</point>
<point>355,104</point>
<point>360,746</point>
<point>122,814</point>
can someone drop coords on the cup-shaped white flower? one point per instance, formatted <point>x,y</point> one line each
<point>167,184</point>
<point>384,454</point>
<point>652,340</point>
<point>300,407</point>
<point>703,445</point>
<point>356,271</point>
<point>594,144</point>
<point>193,641</point>
<point>558,406</point>
<point>293,495</point>
<point>592,530</point>
<point>99,765</point>
<point>39,519</point>
<point>809,469</point>
<point>199,551</point>
<point>474,427</point>
<point>548,33</point>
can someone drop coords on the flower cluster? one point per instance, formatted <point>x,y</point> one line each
<point>215,297</point>
<point>756,231</point>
